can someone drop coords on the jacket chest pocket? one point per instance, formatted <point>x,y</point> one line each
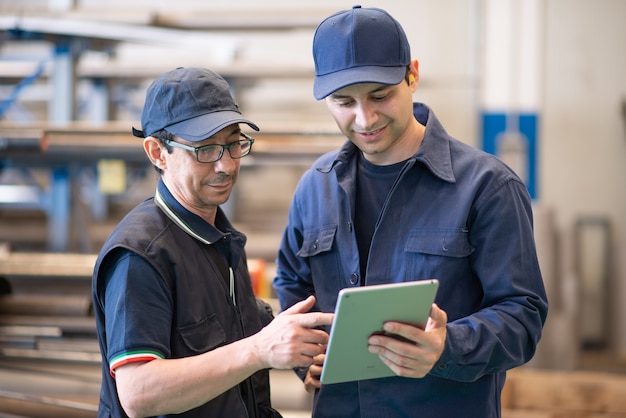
<point>442,242</point>
<point>317,241</point>
<point>438,253</point>
<point>323,257</point>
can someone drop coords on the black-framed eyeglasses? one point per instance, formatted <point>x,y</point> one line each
<point>214,152</point>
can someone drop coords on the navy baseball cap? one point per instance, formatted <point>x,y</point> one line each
<point>191,103</point>
<point>360,45</point>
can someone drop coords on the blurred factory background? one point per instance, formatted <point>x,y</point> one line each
<point>539,83</point>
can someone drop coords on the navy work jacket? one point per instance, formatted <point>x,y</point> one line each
<point>456,214</point>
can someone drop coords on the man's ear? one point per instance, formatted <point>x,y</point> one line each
<point>154,150</point>
<point>414,73</point>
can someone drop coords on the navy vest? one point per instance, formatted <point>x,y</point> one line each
<point>204,316</point>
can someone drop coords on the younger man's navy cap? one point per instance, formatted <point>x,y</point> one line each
<point>360,45</point>
<point>191,103</point>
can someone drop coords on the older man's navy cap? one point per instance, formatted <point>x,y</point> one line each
<point>191,103</point>
<point>360,45</point>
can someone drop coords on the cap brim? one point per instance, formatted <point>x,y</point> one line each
<point>327,84</point>
<point>204,126</point>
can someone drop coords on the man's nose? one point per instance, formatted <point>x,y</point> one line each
<point>364,116</point>
<point>226,164</point>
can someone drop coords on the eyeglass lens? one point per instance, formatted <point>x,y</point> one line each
<point>211,153</point>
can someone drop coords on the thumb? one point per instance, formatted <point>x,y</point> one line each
<point>438,317</point>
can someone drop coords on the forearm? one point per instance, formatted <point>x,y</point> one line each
<point>177,385</point>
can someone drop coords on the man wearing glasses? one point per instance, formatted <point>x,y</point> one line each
<point>179,327</point>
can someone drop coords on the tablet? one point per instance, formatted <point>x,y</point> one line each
<point>361,312</point>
